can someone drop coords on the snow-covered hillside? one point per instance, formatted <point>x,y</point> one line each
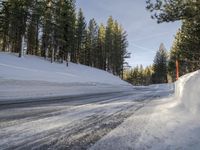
<point>36,68</point>
<point>32,76</point>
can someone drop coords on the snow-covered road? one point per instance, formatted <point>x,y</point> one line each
<point>50,106</point>
<point>71,123</point>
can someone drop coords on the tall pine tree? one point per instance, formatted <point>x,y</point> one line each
<point>160,66</point>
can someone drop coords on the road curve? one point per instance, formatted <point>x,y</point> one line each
<point>69,122</point>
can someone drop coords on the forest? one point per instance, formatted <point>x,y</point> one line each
<point>58,31</point>
<point>186,46</point>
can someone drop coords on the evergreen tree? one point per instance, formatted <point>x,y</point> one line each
<point>47,28</point>
<point>148,75</point>
<point>91,43</point>
<point>139,75</point>
<point>116,50</point>
<point>101,55</point>
<point>109,43</point>
<point>14,24</point>
<point>70,28</point>
<point>4,25</point>
<point>80,37</point>
<point>123,51</point>
<point>59,29</point>
<point>160,66</point>
<point>34,24</point>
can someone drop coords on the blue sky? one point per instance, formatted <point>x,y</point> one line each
<point>144,34</point>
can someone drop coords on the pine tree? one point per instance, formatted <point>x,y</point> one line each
<point>14,24</point>
<point>34,24</point>
<point>115,47</point>
<point>80,37</point>
<point>109,43</point>
<point>101,54</point>
<point>69,14</point>
<point>4,25</point>
<point>47,28</point>
<point>139,75</point>
<point>148,75</point>
<point>91,43</point>
<point>160,66</point>
<point>123,50</point>
<point>116,50</point>
<point>59,29</point>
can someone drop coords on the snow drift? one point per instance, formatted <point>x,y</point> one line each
<point>188,92</point>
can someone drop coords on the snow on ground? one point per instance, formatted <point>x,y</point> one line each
<point>188,92</point>
<point>166,124</point>
<point>32,76</point>
<point>162,124</point>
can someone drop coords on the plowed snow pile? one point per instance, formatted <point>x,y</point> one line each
<point>35,77</point>
<point>188,92</point>
<point>167,124</point>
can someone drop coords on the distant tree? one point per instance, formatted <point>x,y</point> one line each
<point>139,75</point>
<point>148,75</point>
<point>160,66</point>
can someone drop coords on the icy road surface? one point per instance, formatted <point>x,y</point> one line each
<point>71,123</point>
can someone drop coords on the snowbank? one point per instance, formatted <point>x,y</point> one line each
<point>35,77</point>
<point>166,124</point>
<point>188,92</point>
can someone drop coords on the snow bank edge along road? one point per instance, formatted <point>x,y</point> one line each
<point>166,124</point>
<point>188,92</point>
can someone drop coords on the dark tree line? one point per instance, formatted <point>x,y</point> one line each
<point>55,30</point>
<point>186,46</point>
<point>155,74</point>
<point>139,75</point>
